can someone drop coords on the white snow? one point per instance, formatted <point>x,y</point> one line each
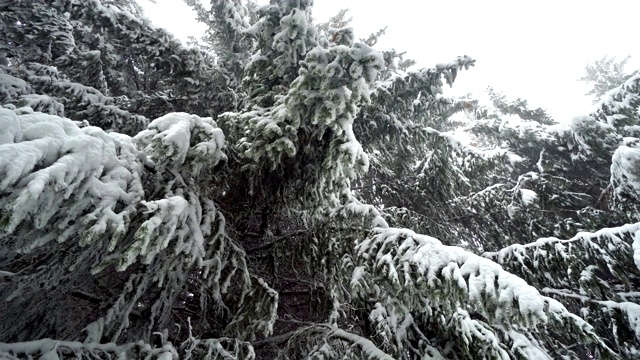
<point>529,197</point>
<point>9,127</point>
<point>99,172</point>
<point>170,139</point>
<point>366,345</point>
<point>12,87</point>
<point>479,278</point>
<point>625,172</point>
<point>636,249</point>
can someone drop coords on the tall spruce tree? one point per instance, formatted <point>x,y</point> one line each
<point>604,75</point>
<point>284,220</point>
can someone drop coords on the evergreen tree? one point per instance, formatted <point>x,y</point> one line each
<point>284,220</point>
<point>579,181</point>
<point>605,74</point>
<point>98,62</point>
<point>227,23</point>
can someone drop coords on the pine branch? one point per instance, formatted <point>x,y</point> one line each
<point>270,244</point>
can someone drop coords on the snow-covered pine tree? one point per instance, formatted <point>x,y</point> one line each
<point>579,178</point>
<point>388,327</point>
<point>266,237</point>
<point>409,119</point>
<point>604,75</point>
<point>227,22</point>
<point>619,108</point>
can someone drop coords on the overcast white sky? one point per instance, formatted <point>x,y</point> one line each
<point>530,49</point>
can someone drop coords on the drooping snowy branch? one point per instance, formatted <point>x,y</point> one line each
<point>313,123</point>
<point>182,140</point>
<point>54,349</point>
<point>619,107</point>
<point>625,181</point>
<point>598,280</point>
<point>328,342</point>
<point>50,164</point>
<point>416,278</point>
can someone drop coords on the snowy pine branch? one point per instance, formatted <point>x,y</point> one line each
<point>49,163</point>
<point>619,107</point>
<point>416,277</point>
<point>53,349</point>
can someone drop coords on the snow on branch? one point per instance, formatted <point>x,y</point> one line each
<point>354,208</point>
<point>177,139</point>
<point>142,36</point>
<point>625,179</point>
<point>12,88</point>
<point>332,105</point>
<point>66,98</point>
<point>403,101</point>
<point>584,139</point>
<point>467,158</point>
<point>226,348</point>
<point>598,272</point>
<point>320,341</point>
<point>619,107</point>
<point>592,139</point>
<point>369,349</point>
<point>169,221</point>
<point>49,164</point>
<point>257,312</point>
<point>313,124</point>
<point>585,246</point>
<point>53,349</point>
<point>412,261</point>
<point>417,274</point>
